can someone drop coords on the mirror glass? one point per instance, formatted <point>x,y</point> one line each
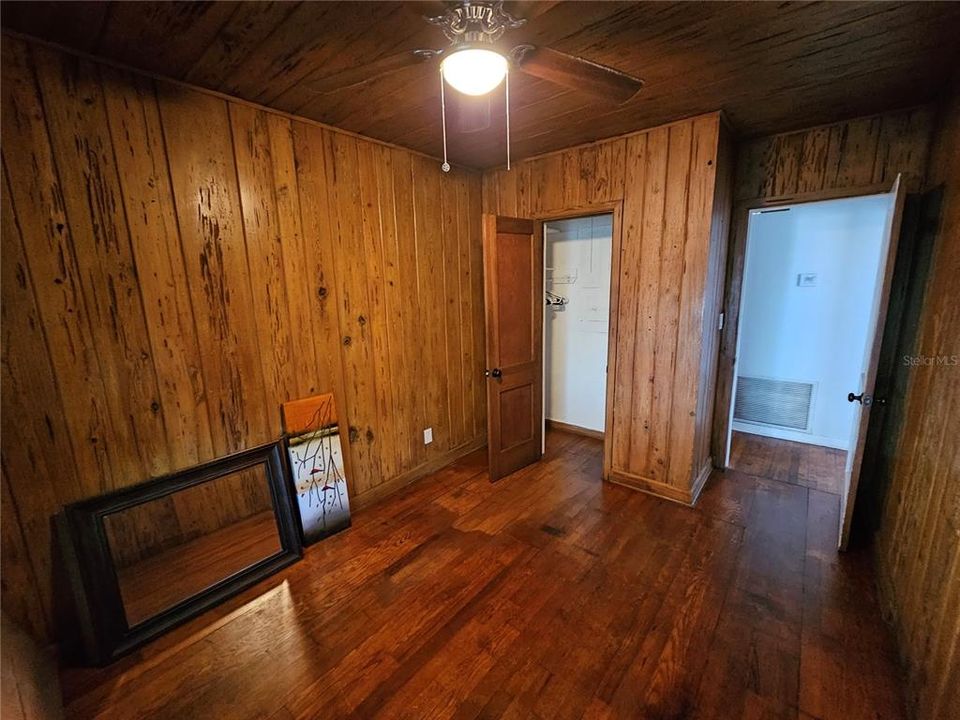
<point>171,548</point>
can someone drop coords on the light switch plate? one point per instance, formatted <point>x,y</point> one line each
<point>428,436</point>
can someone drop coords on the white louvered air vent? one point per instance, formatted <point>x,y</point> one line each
<point>773,402</point>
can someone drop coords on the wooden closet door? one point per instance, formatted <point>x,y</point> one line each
<point>513,294</point>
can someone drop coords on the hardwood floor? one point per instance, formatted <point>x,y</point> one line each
<point>811,466</point>
<point>547,595</point>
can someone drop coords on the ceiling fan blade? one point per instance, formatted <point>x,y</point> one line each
<point>371,71</point>
<point>576,73</point>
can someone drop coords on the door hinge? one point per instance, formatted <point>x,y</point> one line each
<point>720,323</point>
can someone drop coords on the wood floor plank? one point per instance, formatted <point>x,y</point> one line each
<point>811,466</point>
<point>549,594</point>
<point>663,676</point>
<point>845,646</point>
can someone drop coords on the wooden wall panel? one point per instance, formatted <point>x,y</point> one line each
<point>77,127</point>
<point>714,275</point>
<point>315,270</point>
<point>918,543</point>
<point>719,245</point>
<point>343,187</point>
<point>280,365</point>
<point>140,150</point>
<point>428,216</point>
<point>176,265</point>
<point>856,153</point>
<point>31,414</point>
<point>204,180</point>
<point>404,300</point>
<point>672,241</point>
<point>53,279</point>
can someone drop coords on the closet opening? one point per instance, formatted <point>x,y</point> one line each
<point>576,324</point>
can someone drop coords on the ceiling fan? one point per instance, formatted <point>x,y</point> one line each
<point>477,61</point>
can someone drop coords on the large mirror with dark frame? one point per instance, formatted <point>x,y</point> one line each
<point>149,557</point>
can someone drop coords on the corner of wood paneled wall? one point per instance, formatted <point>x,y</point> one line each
<point>164,250</point>
<point>917,549</point>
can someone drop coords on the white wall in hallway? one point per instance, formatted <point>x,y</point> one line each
<point>577,254</point>
<point>814,331</point>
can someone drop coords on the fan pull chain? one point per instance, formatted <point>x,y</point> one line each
<point>507,101</point>
<point>443,117</point>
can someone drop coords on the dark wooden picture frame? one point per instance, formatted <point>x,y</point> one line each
<point>106,634</point>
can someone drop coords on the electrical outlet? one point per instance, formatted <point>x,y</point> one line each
<point>428,436</point>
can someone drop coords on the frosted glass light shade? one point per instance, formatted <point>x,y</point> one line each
<point>474,71</point>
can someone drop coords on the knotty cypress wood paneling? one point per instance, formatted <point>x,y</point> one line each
<point>857,153</point>
<point>176,265</point>
<point>673,250</point>
<point>918,548</point>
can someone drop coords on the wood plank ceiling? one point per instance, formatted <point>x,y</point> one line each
<point>771,66</point>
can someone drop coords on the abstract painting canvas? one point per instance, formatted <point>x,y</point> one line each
<point>316,465</point>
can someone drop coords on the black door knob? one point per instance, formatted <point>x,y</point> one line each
<point>851,397</point>
<point>496,372</point>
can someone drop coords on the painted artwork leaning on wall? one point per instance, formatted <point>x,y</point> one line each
<point>316,466</point>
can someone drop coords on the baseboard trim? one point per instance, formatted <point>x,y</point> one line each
<point>652,487</point>
<point>384,490</point>
<point>574,429</point>
<point>701,480</point>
